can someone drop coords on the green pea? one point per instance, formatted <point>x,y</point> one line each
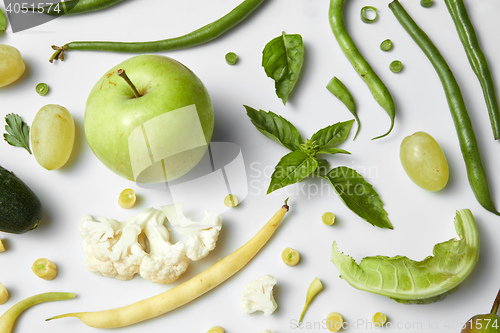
<point>386,45</point>
<point>426,3</point>
<point>396,66</point>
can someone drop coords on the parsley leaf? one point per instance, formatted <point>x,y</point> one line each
<point>18,132</point>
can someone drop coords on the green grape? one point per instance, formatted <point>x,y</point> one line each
<point>424,162</point>
<point>52,136</point>
<point>11,65</point>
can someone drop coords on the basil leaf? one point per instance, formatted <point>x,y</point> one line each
<point>291,169</point>
<point>275,128</point>
<point>332,151</point>
<point>282,60</point>
<point>332,135</point>
<point>358,195</point>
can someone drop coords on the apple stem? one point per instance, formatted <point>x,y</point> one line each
<point>121,73</point>
<point>496,305</point>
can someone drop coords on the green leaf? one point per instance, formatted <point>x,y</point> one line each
<point>332,135</point>
<point>339,90</point>
<point>408,281</point>
<point>3,21</point>
<point>359,196</point>
<point>18,132</point>
<point>276,128</point>
<point>333,151</point>
<point>291,169</point>
<point>282,60</point>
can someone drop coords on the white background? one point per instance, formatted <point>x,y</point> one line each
<point>421,219</point>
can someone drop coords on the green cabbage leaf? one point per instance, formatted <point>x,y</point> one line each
<point>409,281</point>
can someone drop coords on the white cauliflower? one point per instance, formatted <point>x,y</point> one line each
<point>201,236</point>
<point>138,245</point>
<point>99,247</point>
<point>165,262</point>
<point>258,296</point>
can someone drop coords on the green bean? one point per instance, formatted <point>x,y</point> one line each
<point>194,38</point>
<point>364,14</point>
<point>42,89</point>
<point>477,60</point>
<point>9,318</point>
<point>362,67</point>
<point>339,90</point>
<point>74,7</point>
<point>466,137</point>
<point>231,58</point>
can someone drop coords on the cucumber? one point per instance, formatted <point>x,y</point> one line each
<point>20,208</point>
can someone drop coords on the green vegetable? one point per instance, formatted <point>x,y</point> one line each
<point>366,11</point>
<point>18,132</point>
<point>477,60</point>
<point>359,63</point>
<point>196,37</point>
<point>314,289</point>
<point>3,21</point>
<point>485,323</point>
<point>386,45</point>
<point>20,209</point>
<point>396,66</point>
<point>303,161</point>
<point>73,7</point>
<point>426,3</point>
<point>339,90</point>
<point>42,89</point>
<point>468,144</point>
<point>9,318</point>
<point>231,58</point>
<point>409,281</point>
<point>282,60</point>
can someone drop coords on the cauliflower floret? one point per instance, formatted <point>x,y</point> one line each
<point>201,236</point>
<point>112,248</point>
<point>165,262</point>
<point>258,296</point>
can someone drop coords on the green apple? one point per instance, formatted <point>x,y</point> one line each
<point>158,133</point>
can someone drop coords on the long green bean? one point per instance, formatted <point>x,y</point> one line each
<point>196,37</point>
<point>468,144</point>
<point>477,60</point>
<point>362,67</point>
